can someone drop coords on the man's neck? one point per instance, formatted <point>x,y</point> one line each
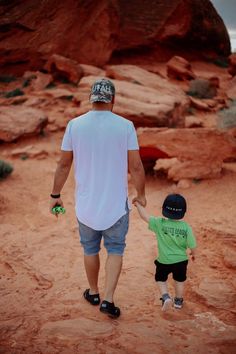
<point>100,106</point>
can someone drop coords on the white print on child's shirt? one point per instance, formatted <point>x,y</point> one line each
<point>174,231</point>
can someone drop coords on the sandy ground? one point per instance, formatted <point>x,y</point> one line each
<point>42,274</point>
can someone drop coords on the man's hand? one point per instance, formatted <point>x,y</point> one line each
<point>55,202</point>
<point>140,199</point>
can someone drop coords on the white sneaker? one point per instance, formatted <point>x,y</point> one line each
<point>178,302</point>
<point>166,303</point>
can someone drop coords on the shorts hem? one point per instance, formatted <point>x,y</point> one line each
<point>91,254</point>
<point>115,253</point>
<point>180,281</point>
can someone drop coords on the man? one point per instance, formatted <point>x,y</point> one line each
<point>103,146</point>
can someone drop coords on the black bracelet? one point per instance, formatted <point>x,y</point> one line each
<point>55,196</point>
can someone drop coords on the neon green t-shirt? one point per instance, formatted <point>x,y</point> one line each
<point>173,239</point>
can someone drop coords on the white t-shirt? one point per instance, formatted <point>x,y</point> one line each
<point>100,141</point>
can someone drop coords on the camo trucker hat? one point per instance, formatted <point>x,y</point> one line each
<point>174,206</point>
<point>102,90</point>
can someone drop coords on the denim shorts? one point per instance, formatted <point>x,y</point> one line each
<point>114,237</point>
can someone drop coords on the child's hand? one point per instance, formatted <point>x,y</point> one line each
<point>141,210</point>
<point>192,255</point>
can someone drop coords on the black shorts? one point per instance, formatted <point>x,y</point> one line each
<point>179,271</point>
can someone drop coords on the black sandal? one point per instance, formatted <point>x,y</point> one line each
<point>92,299</point>
<point>110,309</point>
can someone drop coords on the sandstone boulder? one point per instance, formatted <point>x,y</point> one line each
<point>193,122</point>
<point>29,151</point>
<point>219,294</point>
<point>17,121</point>
<point>64,67</point>
<point>179,68</point>
<point>92,70</point>
<point>57,93</point>
<point>140,76</point>
<point>229,257</point>
<point>199,104</point>
<point>232,64</point>
<point>192,153</point>
<point>231,90</point>
<point>37,80</point>
<point>177,169</point>
<point>160,104</point>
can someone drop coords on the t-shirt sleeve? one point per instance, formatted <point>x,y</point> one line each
<point>66,144</point>
<point>132,138</point>
<point>152,224</point>
<point>191,241</point>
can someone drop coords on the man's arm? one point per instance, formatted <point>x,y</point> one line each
<point>142,212</point>
<point>138,176</point>
<point>61,174</point>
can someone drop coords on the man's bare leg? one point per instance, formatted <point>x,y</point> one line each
<point>112,268</point>
<point>92,266</point>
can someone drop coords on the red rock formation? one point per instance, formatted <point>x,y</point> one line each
<point>146,99</point>
<point>232,64</point>
<point>179,69</point>
<point>93,32</point>
<point>231,90</point>
<point>20,121</point>
<point>194,152</point>
<point>64,67</point>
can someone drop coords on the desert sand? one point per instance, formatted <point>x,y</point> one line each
<point>42,274</point>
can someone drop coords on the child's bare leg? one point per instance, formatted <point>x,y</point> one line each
<point>163,287</point>
<point>179,292</point>
<point>166,300</point>
<point>179,289</point>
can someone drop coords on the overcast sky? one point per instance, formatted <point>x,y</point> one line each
<point>227,11</point>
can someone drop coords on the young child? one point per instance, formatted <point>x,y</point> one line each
<point>173,239</point>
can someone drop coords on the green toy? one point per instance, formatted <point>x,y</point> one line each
<point>58,210</point>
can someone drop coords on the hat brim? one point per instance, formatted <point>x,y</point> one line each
<point>173,215</point>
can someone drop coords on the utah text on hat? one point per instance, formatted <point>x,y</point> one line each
<point>102,87</point>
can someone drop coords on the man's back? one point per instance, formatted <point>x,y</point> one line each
<point>100,141</point>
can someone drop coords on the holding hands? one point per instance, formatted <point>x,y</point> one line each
<point>139,200</point>
<point>141,208</point>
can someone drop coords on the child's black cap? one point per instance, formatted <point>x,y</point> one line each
<point>174,206</point>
